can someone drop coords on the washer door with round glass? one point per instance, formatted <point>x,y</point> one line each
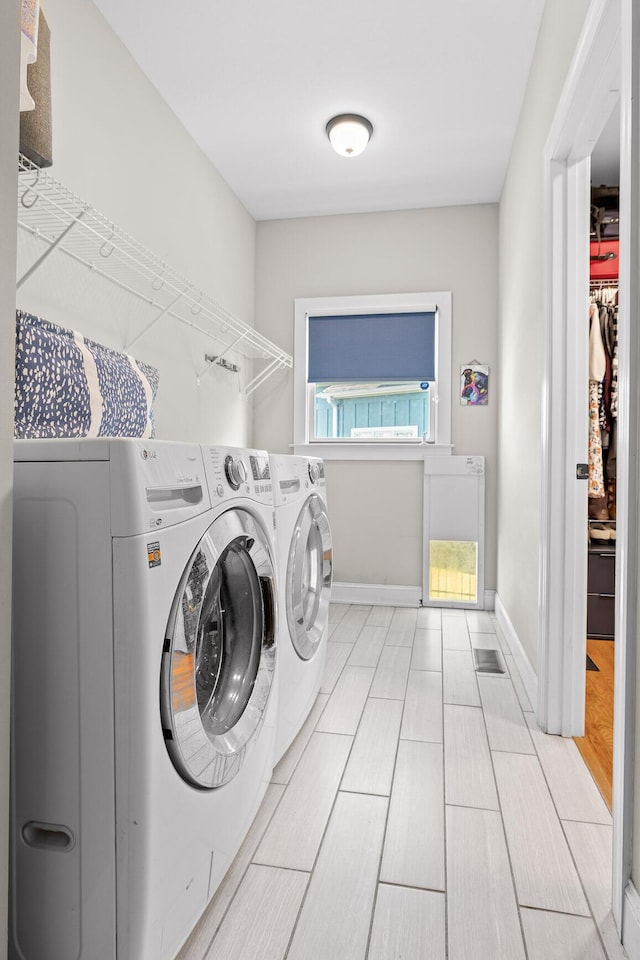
<point>219,655</point>
<point>309,578</point>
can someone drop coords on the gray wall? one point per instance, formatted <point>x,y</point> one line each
<point>118,146</point>
<point>377,519</point>
<point>9,73</point>
<point>520,341</point>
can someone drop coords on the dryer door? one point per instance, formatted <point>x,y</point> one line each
<point>309,578</point>
<point>219,655</point>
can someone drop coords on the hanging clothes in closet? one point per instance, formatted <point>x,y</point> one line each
<point>603,359</point>
<point>603,399</point>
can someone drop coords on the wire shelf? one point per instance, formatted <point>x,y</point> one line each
<point>53,213</point>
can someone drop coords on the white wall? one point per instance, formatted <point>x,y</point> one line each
<point>118,146</point>
<point>377,527</point>
<point>520,342</point>
<point>9,61</point>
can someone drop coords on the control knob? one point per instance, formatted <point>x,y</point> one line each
<point>314,472</point>
<point>236,472</point>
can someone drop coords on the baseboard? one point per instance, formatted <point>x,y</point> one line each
<point>527,673</point>
<point>376,594</point>
<point>389,595</point>
<point>631,922</point>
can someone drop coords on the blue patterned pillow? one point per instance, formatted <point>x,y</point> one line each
<point>69,386</point>
<point>127,389</point>
<point>51,398</point>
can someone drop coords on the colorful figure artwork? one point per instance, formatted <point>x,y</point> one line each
<point>474,385</point>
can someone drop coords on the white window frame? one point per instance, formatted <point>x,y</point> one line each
<point>440,400</point>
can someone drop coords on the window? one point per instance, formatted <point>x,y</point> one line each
<point>372,370</point>
<point>372,411</point>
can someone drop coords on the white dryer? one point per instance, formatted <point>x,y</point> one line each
<point>144,690</point>
<point>304,551</point>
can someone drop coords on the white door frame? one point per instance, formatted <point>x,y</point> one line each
<point>602,72</point>
<point>625,910</point>
<point>590,94</point>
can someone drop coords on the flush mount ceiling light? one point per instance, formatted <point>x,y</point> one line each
<point>349,134</point>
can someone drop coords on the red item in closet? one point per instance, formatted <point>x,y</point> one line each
<point>604,269</point>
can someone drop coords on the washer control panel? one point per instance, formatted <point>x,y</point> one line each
<point>154,484</point>
<point>233,472</point>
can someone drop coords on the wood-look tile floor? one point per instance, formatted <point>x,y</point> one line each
<point>419,815</point>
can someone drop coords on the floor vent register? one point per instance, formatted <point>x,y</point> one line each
<point>488,661</point>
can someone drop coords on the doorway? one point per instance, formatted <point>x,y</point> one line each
<point>596,744</point>
<point>604,71</point>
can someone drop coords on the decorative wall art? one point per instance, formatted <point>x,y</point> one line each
<point>474,384</point>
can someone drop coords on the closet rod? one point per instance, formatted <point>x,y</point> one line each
<point>54,215</point>
<point>144,297</point>
<point>157,279</point>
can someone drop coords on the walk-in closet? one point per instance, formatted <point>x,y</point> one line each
<point>597,744</point>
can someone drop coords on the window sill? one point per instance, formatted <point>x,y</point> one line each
<point>364,450</point>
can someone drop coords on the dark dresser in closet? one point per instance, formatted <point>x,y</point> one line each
<point>601,588</point>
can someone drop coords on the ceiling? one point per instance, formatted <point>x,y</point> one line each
<point>255,82</point>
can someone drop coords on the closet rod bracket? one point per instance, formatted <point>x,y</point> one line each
<point>47,253</point>
<point>148,327</point>
<point>263,376</point>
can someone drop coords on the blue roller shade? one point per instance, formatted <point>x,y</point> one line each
<point>380,346</point>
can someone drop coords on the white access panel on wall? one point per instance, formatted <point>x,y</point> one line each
<point>453,554</point>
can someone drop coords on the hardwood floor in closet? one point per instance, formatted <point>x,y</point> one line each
<point>597,744</point>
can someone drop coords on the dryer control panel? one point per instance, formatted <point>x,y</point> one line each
<point>234,472</point>
<point>295,477</point>
<point>316,471</point>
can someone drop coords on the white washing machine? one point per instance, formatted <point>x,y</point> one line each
<point>304,551</point>
<point>144,690</point>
